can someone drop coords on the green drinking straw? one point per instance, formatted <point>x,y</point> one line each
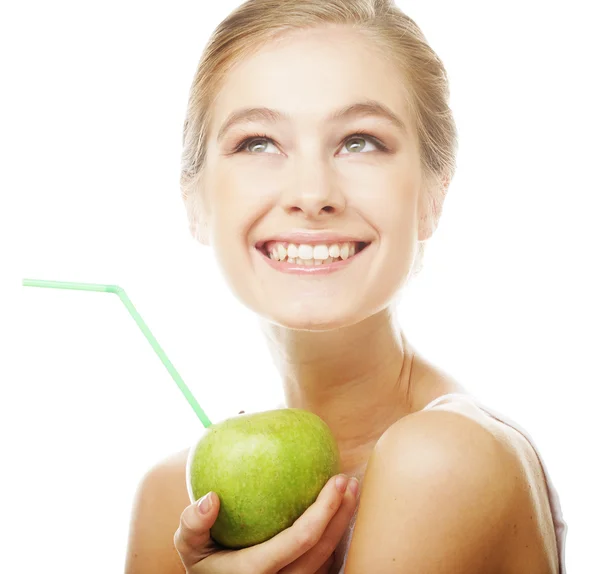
<point>140,322</point>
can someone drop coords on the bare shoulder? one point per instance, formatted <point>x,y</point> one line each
<point>448,429</point>
<point>456,447</point>
<point>159,501</point>
<point>439,493</point>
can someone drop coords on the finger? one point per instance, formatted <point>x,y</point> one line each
<point>293,542</point>
<point>193,533</point>
<point>316,558</point>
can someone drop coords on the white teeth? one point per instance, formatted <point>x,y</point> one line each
<point>305,251</point>
<point>305,254</point>
<point>320,252</point>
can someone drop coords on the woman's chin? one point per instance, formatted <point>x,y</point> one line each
<point>313,317</point>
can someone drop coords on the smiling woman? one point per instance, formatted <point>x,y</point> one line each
<point>318,150</point>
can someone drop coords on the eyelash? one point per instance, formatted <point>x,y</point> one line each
<point>257,137</point>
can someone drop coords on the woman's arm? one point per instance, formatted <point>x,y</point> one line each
<point>437,497</point>
<point>160,499</point>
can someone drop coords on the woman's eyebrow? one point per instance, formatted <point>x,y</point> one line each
<point>358,109</point>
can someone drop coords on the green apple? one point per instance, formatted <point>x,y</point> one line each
<point>267,469</point>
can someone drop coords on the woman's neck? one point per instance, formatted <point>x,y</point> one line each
<point>357,379</point>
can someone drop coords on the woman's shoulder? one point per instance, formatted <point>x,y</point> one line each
<point>173,463</point>
<point>168,471</point>
<point>456,423</point>
<point>456,440</point>
<point>478,452</point>
<point>457,416</point>
<point>159,501</point>
<point>165,483</point>
<point>432,473</point>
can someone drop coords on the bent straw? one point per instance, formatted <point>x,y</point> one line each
<point>140,322</point>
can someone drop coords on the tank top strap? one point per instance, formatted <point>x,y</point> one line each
<point>443,398</point>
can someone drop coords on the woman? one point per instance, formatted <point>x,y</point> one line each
<point>318,149</point>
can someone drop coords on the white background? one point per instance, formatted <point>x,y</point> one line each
<point>92,110</point>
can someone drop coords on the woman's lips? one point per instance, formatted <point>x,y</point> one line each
<point>320,269</point>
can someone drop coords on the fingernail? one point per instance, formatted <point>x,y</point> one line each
<point>353,486</point>
<point>341,482</point>
<point>205,504</point>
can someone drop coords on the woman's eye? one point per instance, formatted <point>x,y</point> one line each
<point>252,143</point>
<point>355,144</point>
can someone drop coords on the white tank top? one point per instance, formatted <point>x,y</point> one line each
<point>560,526</point>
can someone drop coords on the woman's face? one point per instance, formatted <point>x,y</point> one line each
<point>311,175</point>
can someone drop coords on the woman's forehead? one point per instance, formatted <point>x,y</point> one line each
<point>312,79</point>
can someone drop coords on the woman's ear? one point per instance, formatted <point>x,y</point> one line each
<point>197,216</point>
<point>431,201</point>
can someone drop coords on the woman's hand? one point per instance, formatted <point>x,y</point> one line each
<point>306,547</point>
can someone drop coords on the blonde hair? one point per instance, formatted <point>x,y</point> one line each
<point>257,22</point>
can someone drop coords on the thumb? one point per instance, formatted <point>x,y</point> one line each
<point>193,533</point>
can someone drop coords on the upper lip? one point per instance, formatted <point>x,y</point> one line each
<point>312,238</point>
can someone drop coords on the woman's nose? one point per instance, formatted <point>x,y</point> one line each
<point>313,193</point>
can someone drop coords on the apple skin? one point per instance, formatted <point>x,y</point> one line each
<point>267,468</point>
